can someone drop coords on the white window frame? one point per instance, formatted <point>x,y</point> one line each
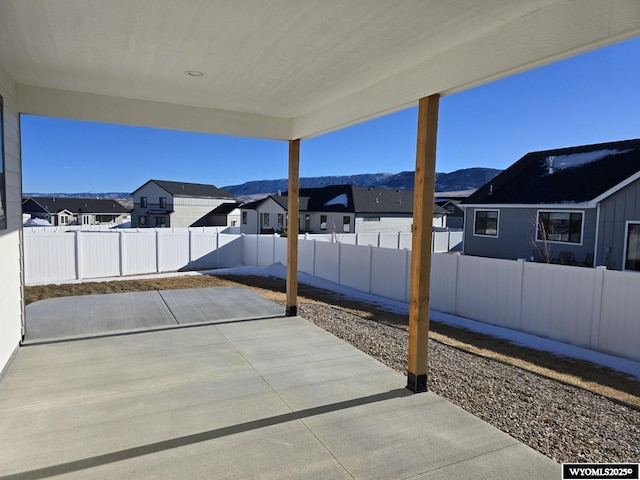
<point>484,235</point>
<point>265,219</point>
<point>323,222</point>
<point>626,239</point>
<point>559,242</point>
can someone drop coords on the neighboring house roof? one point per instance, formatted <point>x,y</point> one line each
<point>224,208</point>
<point>73,204</point>
<point>575,175</point>
<point>184,189</point>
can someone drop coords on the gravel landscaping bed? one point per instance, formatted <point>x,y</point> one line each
<point>565,423</point>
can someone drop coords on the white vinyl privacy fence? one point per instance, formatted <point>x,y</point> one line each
<point>53,255</point>
<point>593,308</point>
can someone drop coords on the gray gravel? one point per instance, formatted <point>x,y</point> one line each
<point>565,423</point>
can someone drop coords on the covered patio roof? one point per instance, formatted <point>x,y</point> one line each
<point>280,69</point>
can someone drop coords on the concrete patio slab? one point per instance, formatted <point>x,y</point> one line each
<point>94,314</point>
<point>219,304</point>
<point>271,398</point>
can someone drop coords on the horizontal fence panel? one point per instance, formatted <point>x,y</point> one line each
<point>389,240</point>
<point>389,273</point>
<point>489,290</point>
<point>173,249</point>
<point>49,257</point>
<point>355,264</point>
<point>455,240</point>
<point>139,252</point>
<point>327,261</point>
<point>442,296</point>
<point>557,302</point>
<point>99,254</point>
<point>619,330</point>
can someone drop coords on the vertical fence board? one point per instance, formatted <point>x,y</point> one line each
<point>489,290</point>
<point>355,267</point>
<point>327,261</point>
<point>557,302</point>
<point>443,286</point>
<point>619,332</point>
<point>49,256</point>
<point>100,255</point>
<point>389,273</point>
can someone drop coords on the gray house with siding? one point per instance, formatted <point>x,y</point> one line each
<point>578,205</point>
<point>161,203</point>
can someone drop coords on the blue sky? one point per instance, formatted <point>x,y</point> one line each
<point>590,98</point>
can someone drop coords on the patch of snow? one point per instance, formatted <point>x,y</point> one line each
<point>555,163</point>
<point>339,200</point>
<point>278,270</point>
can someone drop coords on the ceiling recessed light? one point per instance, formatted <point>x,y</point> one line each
<point>194,73</point>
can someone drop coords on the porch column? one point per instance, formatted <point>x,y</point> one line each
<point>423,201</point>
<point>292,228</point>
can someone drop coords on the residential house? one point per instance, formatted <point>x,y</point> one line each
<point>455,212</point>
<point>161,203</point>
<point>76,211</point>
<point>338,209</point>
<point>578,205</point>
<point>267,215</point>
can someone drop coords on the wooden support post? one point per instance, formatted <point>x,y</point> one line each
<point>292,228</point>
<point>423,201</point>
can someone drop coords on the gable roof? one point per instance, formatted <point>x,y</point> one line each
<point>185,189</point>
<point>575,175</point>
<point>73,204</point>
<point>224,208</point>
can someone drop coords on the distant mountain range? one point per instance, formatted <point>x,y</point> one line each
<point>466,179</point>
<point>460,180</point>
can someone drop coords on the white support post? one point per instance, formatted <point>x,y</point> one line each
<point>122,251</point>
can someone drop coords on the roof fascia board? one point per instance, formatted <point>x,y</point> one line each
<point>552,206</point>
<point>51,102</point>
<point>615,189</point>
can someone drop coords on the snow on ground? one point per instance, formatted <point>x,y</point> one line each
<point>520,338</point>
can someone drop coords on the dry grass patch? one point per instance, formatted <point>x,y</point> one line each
<point>603,381</point>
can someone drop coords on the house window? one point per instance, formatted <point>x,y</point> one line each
<point>244,218</point>
<point>233,223</point>
<point>323,222</point>
<point>563,227</point>
<point>307,222</point>
<point>346,224</point>
<point>64,219</point>
<point>265,219</point>
<point>280,221</point>
<point>486,223</point>
<point>632,249</point>
<point>143,202</point>
<point>161,222</point>
<point>142,220</point>
<point>370,219</point>
<point>163,202</point>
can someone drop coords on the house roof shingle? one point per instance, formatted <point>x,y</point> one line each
<point>73,204</point>
<point>566,175</point>
<point>184,189</point>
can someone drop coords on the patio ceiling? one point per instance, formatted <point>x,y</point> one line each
<point>280,68</point>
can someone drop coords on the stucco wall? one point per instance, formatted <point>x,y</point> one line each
<point>10,243</point>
